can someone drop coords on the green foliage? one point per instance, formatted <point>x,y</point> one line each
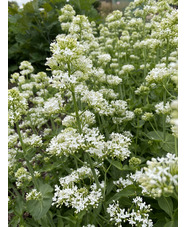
<point>33,27</point>
<point>98,139</point>
<point>39,208</point>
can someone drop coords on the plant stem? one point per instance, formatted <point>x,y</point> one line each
<point>93,170</point>
<point>27,161</point>
<point>164,116</point>
<point>176,146</point>
<point>137,135</point>
<point>80,131</point>
<point>76,110</point>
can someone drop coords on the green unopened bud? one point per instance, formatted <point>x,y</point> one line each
<point>138,111</point>
<point>134,162</point>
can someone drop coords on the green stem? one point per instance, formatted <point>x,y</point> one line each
<point>76,110</point>
<point>155,130</point>
<point>172,96</point>
<point>27,161</point>
<point>167,53</point>
<point>93,170</point>
<point>137,135</point>
<point>53,125</point>
<point>176,146</point>
<point>106,131</point>
<point>164,116</point>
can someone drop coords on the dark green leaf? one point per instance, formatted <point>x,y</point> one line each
<point>130,190</point>
<point>117,164</point>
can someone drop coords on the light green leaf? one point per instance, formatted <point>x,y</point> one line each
<point>38,208</point>
<point>156,136</point>
<point>166,204</point>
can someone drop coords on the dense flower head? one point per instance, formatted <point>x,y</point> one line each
<point>118,146</point>
<point>160,177</point>
<point>138,216</point>
<point>67,13</point>
<point>17,105</point>
<point>79,198</point>
<point>65,143</point>
<point>160,108</point>
<point>33,195</point>
<point>26,68</point>
<point>81,28</point>
<point>87,118</point>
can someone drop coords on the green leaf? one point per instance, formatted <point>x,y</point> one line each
<point>160,223</point>
<point>166,204</point>
<point>117,164</point>
<point>130,190</point>
<point>38,208</point>
<point>169,143</point>
<point>170,224</point>
<point>60,222</point>
<point>156,136</point>
<point>19,207</point>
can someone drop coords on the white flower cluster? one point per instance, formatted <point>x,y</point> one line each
<point>65,143</point>
<point>78,198</point>
<point>104,59</point>
<point>87,118</point>
<point>17,105</point>
<point>160,176</point>
<point>33,141</point>
<point>137,217</point>
<point>118,146</point>
<point>122,183</point>
<point>69,141</point>
<point>95,100</point>
<point>22,176</point>
<point>174,117</point>
<point>26,68</point>
<point>53,105</point>
<point>121,113</point>
<point>159,74</point>
<point>67,15</point>
<point>126,69</point>
<point>33,195</point>
<point>160,108</point>
<point>76,176</point>
<point>80,28</point>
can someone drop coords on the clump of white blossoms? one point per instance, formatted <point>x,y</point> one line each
<point>65,143</point>
<point>22,176</point>
<point>79,198</point>
<point>26,68</point>
<point>137,217</point>
<point>33,141</point>
<point>160,108</point>
<point>174,117</point>
<point>53,105</point>
<point>121,112</point>
<point>33,195</point>
<point>66,17</point>
<point>122,183</point>
<point>87,118</point>
<point>17,105</point>
<point>160,177</point>
<point>118,146</point>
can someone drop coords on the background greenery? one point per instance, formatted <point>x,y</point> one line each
<point>33,27</point>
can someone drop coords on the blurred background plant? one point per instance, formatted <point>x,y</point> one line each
<point>34,25</point>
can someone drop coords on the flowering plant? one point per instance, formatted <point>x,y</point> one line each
<point>96,144</point>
